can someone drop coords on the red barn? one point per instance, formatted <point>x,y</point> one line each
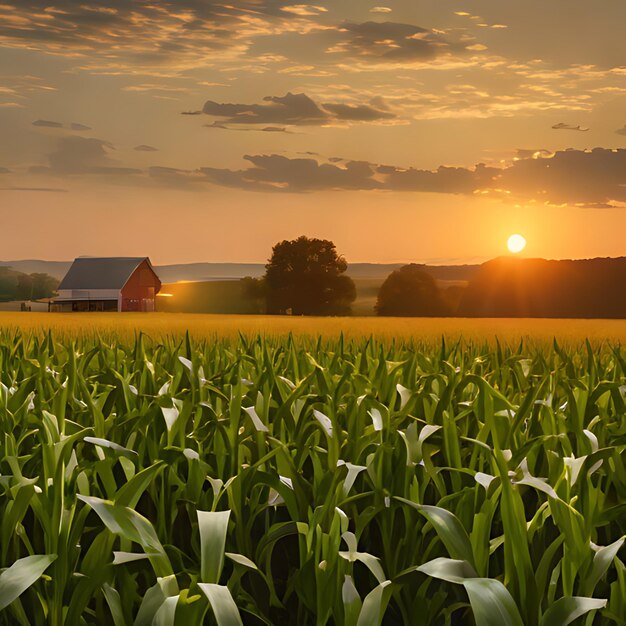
<point>108,284</point>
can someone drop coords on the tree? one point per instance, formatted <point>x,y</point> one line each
<point>19,286</point>
<point>35,286</point>
<point>306,277</point>
<point>8,284</point>
<point>44,285</point>
<point>410,292</point>
<point>254,293</point>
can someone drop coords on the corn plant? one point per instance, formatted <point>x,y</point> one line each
<point>310,481</point>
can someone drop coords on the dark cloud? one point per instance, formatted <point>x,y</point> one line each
<point>279,173</point>
<point>52,124</point>
<point>173,32</point>
<point>589,179</point>
<point>35,189</point>
<point>294,109</point>
<point>164,172</point>
<point>455,180</point>
<point>79,155</point>
<point>578,178</point>
<point>47,124</point>
<point>563,126</point>
<point>596,205</point>
<point>266,129</point>
<point>569,177</point>
<point>357,112</point>
<point>621,131</point>
<point>392,42</point>
<point>289,109</point>
<point>145,148</point>
<point>5,170</point>
<point>176,178</point>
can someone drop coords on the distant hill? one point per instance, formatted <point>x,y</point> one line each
<point>511,287</point>
<point>231,271</point>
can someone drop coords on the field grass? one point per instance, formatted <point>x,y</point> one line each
<point>224,477</point>
<point>424,330</point>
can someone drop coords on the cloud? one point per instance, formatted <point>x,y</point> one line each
<point>621,131</point>
<point>79,155</point>
<point>147,87</point>
<point>380,10</point>
<point>581,178</point>
<point>574,177</point>
<point>265,129</point>
<point>5,170</point>
<point>532,154</point>
<point>145,148</point>
<point>279,173</point>
<point>357,112</point>
<point>590,179</point>
<point>52,124</point>
<point>35,189</point>
<point>276,172</point>
<point>596,205</point>
<point>304,9</point>
<point>563,126</point>
<point>47,124</point>
<point>295,110</point>
<point>392,42</point>
<point>129,34</point>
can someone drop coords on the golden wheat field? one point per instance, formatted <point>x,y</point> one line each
<point>225,326</point>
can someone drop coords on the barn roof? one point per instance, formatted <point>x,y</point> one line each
<point>101,272</point>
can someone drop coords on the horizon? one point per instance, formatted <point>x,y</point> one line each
<point>451,263</point>
<point>199,131</point>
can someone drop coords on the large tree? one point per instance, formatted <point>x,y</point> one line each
<point>307,277</point>
<point>410,292</point>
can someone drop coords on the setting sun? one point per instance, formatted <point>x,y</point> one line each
<point>516,243</point>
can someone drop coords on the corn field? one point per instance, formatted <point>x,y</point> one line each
<point>299,482</point>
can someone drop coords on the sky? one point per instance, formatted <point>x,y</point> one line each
<point>405,131</point>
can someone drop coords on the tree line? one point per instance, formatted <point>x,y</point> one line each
<point>16,285</point>
<point>307,276</point>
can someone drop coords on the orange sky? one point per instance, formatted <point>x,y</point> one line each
<point>403,131</point>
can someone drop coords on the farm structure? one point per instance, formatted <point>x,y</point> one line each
<point>108,284</point>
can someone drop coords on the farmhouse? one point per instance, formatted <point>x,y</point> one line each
<point>108,284</point>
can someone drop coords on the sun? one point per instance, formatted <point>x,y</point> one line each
<point>516,243</point>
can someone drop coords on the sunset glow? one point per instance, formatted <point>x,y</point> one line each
<point>208,131</point>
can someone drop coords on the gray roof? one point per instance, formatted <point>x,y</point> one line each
<point>100,273</point>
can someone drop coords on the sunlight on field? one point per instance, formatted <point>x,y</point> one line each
<point>421,329</point>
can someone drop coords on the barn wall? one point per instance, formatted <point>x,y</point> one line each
<point>139,293</point>
<point>87,294</point>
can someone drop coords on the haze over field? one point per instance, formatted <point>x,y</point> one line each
<point>404,131</point>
